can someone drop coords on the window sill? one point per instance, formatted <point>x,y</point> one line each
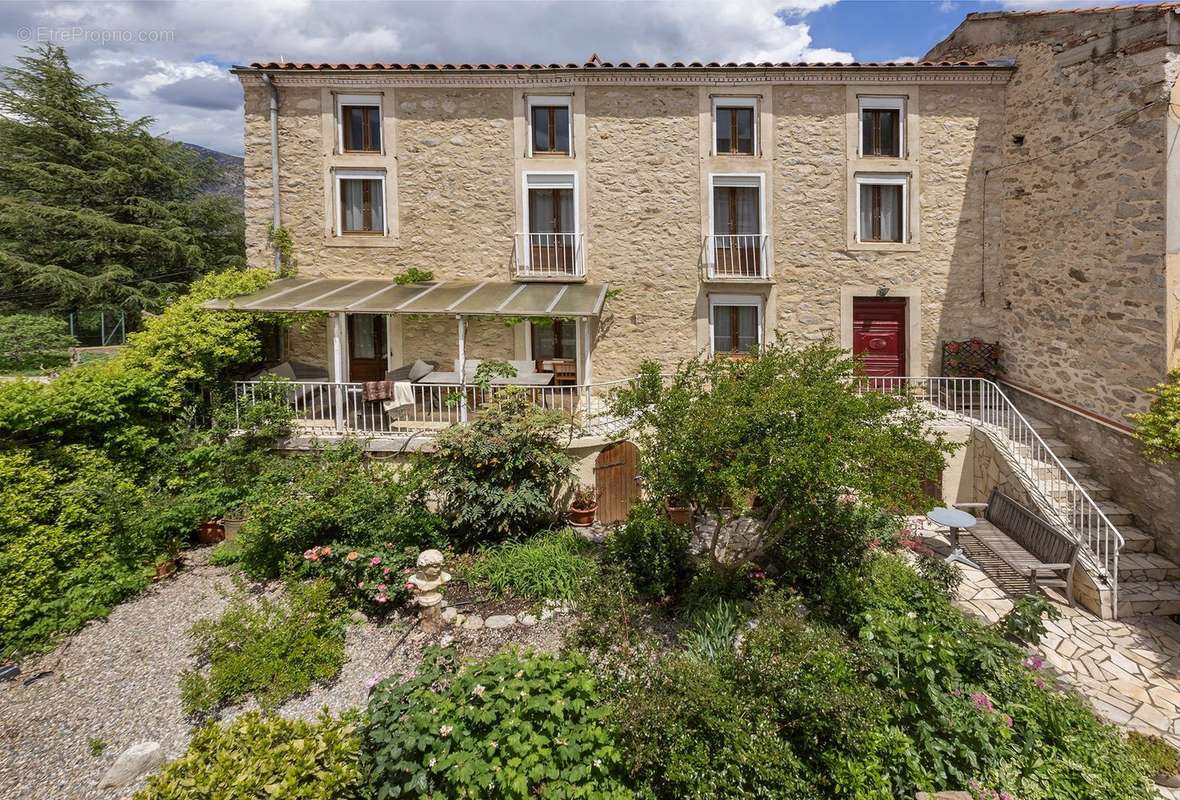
<point>524,277</point>
<point>361,240</point>
<point>884,247</point>
<point>730,280</point>
<point>551,156</point>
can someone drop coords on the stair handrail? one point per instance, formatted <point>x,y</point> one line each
<point>1087,523</point>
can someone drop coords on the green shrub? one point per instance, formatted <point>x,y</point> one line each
<point>226,554</point>
<point>32,341</point>
<point>1158,428</point>
<point>336,494</point>
<point>1159,756</point>
<point>255,757</point>
<point>1024,622</point>
<point>368,578</point>
<point>553,565</point>
<point>690,731</point>
<point>652,550</point>
<point>713,632</point>
<point>272,650</point>
<point>516,725</point>
<point>714,583</point>
<point>500,476</point>
<point>71,544</point>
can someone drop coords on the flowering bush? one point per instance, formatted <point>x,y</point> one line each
<point>515,726</point>
<point>369,578</point>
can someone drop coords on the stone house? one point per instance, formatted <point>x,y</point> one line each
<point>1018,185</point>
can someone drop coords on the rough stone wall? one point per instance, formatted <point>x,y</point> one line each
<point>643,234</point>
<point>960,132</point>
<point>1083,252</point>
<point>642,191</point>
<point>437,339</point>
<point>308,342</point>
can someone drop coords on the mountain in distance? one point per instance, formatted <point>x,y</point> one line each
<point>232,179</point>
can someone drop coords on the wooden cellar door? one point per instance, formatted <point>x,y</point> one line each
<point>616,479</point>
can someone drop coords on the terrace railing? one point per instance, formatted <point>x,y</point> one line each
<point>549,255</point>
<point>1056,493</point>
<point>339,408</point>
<point>736,256</point>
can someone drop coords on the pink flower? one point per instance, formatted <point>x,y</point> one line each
<point>386,571</point>
<point>325,551</point>
<point>380,598</point>
<point>410,586</point>
<point>381,587</point>
<point>874,544</point>
<point>309,554</point>
<point>982,701</point>
<point>1008,720</point>
<point>375,561</point>
<point>353,556</point>
<point>1034,662</point>
<point>360,584</point>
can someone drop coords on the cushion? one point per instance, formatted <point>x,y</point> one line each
<point>419,370</point>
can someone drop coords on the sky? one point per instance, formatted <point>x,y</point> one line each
<point>170,60</point>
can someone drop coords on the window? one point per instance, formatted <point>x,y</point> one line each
<point>360,196</point>
<point>737,240</point>
<point>551,239</point>
<point>881,127</point>
<point>735,323</point>
<point>558,339</point>
<point>881,201</point>
<point>549,126</point>
<point>359,120</point>
<point>734,126</point>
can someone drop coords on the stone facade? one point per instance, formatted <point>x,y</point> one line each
<point>641,151</point>
<point>1087,294</point>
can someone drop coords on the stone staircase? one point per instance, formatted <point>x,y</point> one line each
<point>1149,583</point>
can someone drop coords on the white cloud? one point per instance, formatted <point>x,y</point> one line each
<point>169,60</point>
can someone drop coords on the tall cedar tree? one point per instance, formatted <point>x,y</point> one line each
<point>95,211</point>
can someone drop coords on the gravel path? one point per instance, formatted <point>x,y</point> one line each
<point>116,681</point>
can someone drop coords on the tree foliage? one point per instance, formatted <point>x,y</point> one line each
<point>1158,429</point>
<point>95,211</point>
<point>32,340</point>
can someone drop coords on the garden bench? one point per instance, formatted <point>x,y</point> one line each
<point>1028,544</point>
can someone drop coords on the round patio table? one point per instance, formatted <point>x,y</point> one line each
<point>954,519</point>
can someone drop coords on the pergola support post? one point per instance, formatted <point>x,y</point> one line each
<point>587,371</point>
<point>462,369</point>
<point>338,323</point>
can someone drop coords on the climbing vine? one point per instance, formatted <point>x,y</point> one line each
<point>280,239</point>
<point>1159,427</point>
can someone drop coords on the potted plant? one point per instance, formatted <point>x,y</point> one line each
<point>679,510</point>
<point>170,561</point>
<point>583,504</point>
<point>210,532</point>
<point>232,522</point>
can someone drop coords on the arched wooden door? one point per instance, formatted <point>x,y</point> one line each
<point>616,479</point>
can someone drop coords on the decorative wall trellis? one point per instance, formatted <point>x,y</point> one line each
<point>973,358</point>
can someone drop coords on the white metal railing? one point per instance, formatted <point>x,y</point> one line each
<point>1055,491</point>
<point>557,255</point>
<point>338,408</point>
<point>736,255</point>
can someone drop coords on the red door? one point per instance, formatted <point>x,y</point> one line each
<point>878,335</point>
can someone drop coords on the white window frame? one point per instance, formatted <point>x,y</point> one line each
<point>755,300</point>
<point>547,179</point>
<point>372,100</point>
<point>741,179</point>
<point>878,103</point>
<point>736,102</point>
<point>901,179</point>
<point>550,100</point>
<point>339,174</point>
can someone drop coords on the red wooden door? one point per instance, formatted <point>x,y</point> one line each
<point>615,473</point>
<point>878,335</point>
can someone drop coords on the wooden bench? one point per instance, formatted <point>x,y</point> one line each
<point>1027,543</point>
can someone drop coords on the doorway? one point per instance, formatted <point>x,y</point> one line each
<point>616,478</point>
<point>368,348</point>
<point>879,335</point>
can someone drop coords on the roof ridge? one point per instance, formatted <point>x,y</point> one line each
<point>1163,6</point>
<point>597,63</point>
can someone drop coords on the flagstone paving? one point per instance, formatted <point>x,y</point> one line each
<point>1128,669</point>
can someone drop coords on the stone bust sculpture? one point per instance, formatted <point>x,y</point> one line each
<point>427,581</point>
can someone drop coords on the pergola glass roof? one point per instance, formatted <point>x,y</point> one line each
<point>452,298</point>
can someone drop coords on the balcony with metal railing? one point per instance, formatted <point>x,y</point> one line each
<point>736,257</point>
<point>549,256</point>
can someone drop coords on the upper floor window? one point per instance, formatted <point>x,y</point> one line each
<point>550,242</point>
<point>549,126</point>
<point>881,207</point>
<point>734,128</point>
<point>737,240</point>
<point>882,127</point>
<point>359,121</point>
<point>360,198</point>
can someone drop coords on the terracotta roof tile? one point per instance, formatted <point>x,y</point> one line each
<point>1090,10</point>
<point>599,64</point>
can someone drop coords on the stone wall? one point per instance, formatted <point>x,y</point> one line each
<point>1085,191</point>
<point>457,206</point>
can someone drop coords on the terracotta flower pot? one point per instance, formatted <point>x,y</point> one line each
<point>210,532</point>
<point>679,514</point>
<point>582,517</point>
